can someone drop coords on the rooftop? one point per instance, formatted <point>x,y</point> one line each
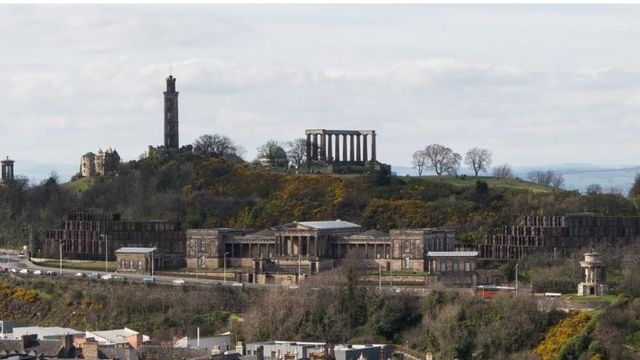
<point>117,336</point>
<point>330,224</point>
<point>135,250</point>
<point>42,332</point>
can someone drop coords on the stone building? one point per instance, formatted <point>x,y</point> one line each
<point>171,124</point>
<point>342,151</point>
<point>312,246</point>
<point>87,235</point>
<point>594,277</point>
<point>558,236</point>
<point>104,163</point>
<point>453,268</point>
<point>7,170</point>
<point>138,260</point>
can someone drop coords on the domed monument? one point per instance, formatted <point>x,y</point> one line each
<point>593,275</point>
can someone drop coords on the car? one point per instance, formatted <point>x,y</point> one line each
<point>24,272</point>
<point>93,276</point>
<point>51,273</point>
<point>79,275</point>
<point>37,272</point>
<point>107,277</point>
<point>148,280</point>
<point>21,256</point>
<point>237,284</point>
<point>178,282</point>
<point>118,278</point>
<point>294,286</point>
<point>14,270</point>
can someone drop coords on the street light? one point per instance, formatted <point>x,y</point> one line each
<point>106,252</point>
<point>60,244</point>
<point>380,278</point>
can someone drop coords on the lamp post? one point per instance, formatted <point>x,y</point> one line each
<point>380,278</point>
<point>299,266</point>
<point>106,252</point>
<point>60,245</point>
<point>152,263</point>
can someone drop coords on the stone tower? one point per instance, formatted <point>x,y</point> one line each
<point>593,275</point>
<point>7,170</point>
<point>171,140</point>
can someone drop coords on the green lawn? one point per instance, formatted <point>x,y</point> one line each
<point>84,265</point>
<point>469,181</point>
<point>604,298</point>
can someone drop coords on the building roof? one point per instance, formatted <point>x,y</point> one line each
<point>116,336</point>
<point>135,250</point>
<point>452,253</point>
<point>42,332</point>
<point>330,224</point>
<point>261,233</point>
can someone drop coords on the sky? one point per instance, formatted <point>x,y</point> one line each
<point>535,84</point>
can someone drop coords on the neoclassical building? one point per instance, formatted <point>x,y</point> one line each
<point>313,246</point>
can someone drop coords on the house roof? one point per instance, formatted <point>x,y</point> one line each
<point>42,332</point>
<point>135,250</point>
<point>452,253</point>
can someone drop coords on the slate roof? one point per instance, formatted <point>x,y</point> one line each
<point>135,250</point>
<point>331,224</point>
<point>452,253</point>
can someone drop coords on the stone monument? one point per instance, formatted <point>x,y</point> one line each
<point>593,275</point>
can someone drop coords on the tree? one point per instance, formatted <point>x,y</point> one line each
<point>419,161</point>
<point>594,189</point>
<point>503,171</point>
<point>216,145</point>
<point>635,188</point>
<point>547,178</point>
<point>442,159</point>
<point>273,152</point>
<point>297,152</point>
<point>478,159</point>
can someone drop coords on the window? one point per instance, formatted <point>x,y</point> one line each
<point>467,266</point>
<point>406,246</point>
<point>455,266</point>
<point>140,264</point>
<point>443,266</point>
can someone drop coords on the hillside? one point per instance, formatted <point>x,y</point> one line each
<point>209,192</point>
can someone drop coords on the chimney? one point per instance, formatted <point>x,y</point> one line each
<point>28,340</point>
<point>135,340</point>
<point>90,349</point>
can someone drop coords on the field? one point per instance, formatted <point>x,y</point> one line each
<point>79,265</point>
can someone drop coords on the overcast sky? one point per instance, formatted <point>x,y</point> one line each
<point>534,84</point>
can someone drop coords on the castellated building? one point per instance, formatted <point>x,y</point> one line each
<point>104,163</point>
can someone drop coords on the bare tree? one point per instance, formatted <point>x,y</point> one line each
<point>442,159</point>
<point>503,171</point>
<point>594,189</point>
<point>297,152</point>
<point>420,161</point>
<point>547,178</point>
<point>478,159</point>
<point>216,145</point>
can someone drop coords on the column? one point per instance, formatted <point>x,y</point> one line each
<point>329,147</point>
<point>351,148</point>
<point>323,148</point>
<point>358,157</point>
<point>337,147</point>
<point>373,146</point>
<point>365,156</point>
<point>299,245</point>
<point>309,149</point>
<point>308,246</point>
<point>345,149</point>
<point>314,155</point>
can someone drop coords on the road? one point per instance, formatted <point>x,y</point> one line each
<point>13,261</point>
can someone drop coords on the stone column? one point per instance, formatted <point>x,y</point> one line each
<point>365,156</point>
<point>373,146</point>
<point>329,147</point>
<point>323,147</point>
<point>358,157</point>
<point>337,148</point>
<point>351,148</point>
<point>345,149</point>
<point>309,146</point>
<point>314,148</point>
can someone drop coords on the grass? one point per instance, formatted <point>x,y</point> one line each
<point>603,298</point>
<point>470,181</point>
<point>88,265</point>
<point>80,185</point>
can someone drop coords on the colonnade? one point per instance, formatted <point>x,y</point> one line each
<point>341,145</point>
